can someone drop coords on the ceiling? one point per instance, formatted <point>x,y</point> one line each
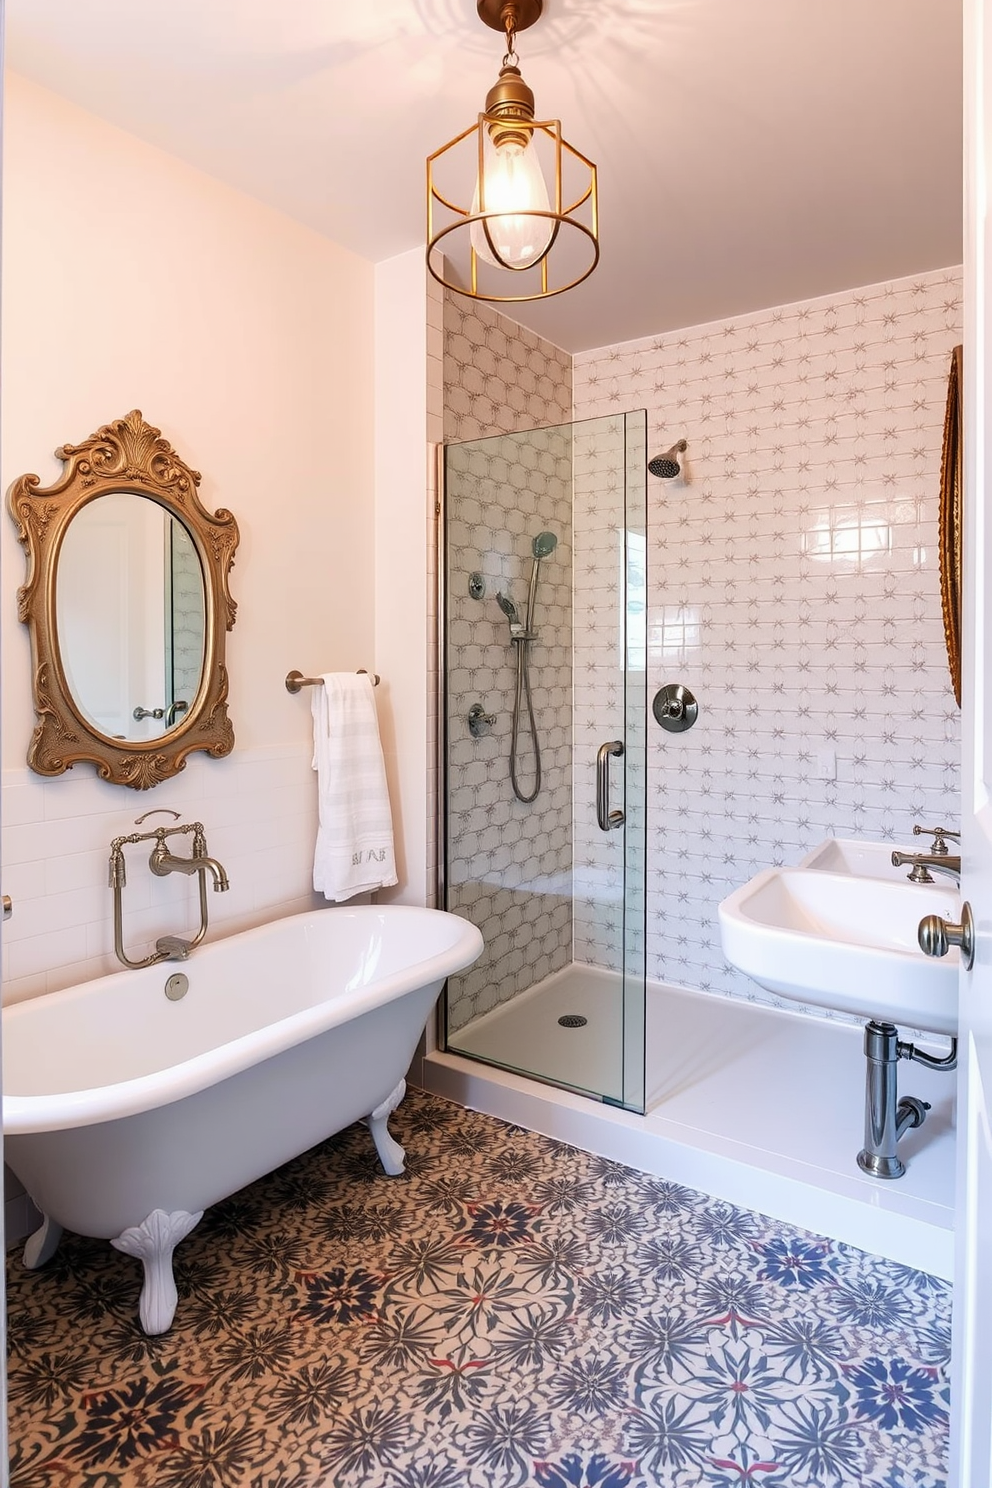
<point>750,154</point>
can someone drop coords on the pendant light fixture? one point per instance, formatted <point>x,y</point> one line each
<point>528,224</point>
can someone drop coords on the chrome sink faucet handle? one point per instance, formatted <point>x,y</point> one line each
<point>940,835</point>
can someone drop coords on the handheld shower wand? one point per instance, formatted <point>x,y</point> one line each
<point>521,636</point>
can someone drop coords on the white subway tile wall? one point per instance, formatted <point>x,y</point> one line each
<point>259,810</point>
<point>509,864</point>
<point>793,586</point>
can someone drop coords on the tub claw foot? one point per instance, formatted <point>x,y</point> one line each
<point>43,1243</point>
<point>153,1242</point>
<point>391,1154</point>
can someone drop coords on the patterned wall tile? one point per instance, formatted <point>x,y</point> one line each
<point>499,377</point>
<point>509,864</point>
<point>793,586</point>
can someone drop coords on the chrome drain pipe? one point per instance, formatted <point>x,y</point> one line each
<point>887,1117</point>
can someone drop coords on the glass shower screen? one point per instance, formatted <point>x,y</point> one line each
<point>544,694</point>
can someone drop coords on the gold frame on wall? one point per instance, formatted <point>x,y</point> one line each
<point>127,455</point>
<point>950,521</point>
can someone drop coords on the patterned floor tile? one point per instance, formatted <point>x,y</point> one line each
<point>512,1313</point>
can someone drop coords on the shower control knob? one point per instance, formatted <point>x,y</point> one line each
<point>675,708</point>
<point>479,721</point>
<point>936,936</point>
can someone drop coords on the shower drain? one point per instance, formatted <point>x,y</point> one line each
<point>573,1020</point>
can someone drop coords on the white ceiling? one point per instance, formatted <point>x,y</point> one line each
<point>750,153</point>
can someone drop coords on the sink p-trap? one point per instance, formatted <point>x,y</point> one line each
<point>886,1116</point>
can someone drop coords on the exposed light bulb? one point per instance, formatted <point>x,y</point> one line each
<point>514,186</point>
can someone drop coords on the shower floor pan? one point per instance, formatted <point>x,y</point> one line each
<point>755,1105</point>
<point>526,1034</point>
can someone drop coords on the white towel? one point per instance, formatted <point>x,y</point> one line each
<point>354,853</point>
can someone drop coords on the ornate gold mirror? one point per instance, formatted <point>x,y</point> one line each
<point>950,522</point>
<point>127,604</point>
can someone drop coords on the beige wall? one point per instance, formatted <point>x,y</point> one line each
<point>404,580</point>
<point>131,280</point>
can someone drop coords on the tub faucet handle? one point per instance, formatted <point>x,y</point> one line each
<point>173,948</point>
<point>118,872</point>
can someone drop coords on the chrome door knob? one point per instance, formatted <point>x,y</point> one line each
<point>936,936</point>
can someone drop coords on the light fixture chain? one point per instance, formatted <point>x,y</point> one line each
<point>509,18</point>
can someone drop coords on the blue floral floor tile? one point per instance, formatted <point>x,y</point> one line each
<point>512,1313</point>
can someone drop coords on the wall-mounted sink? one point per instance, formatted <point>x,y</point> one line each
<point>862,859</point>
<point>845,939</point>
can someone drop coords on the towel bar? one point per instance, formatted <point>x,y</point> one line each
<point>296,680</point>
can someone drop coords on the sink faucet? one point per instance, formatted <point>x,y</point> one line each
<point>162,862</point>
<point>923,864</point>
<point>939,857</point>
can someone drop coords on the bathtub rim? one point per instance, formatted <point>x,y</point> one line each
<point>58,1111</point>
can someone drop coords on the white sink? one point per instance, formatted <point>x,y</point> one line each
<point>845,941</point>
<point>862,859</point>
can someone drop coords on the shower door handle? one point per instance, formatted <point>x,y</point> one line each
<point>607,819</point>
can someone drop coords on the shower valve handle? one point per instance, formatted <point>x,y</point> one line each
<point>606,818</point>
<point>479,721</point>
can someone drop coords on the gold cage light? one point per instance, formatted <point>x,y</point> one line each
<point>534,211</point>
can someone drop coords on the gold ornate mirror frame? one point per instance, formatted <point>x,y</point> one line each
<point>950,521</point>
<point>127,456</point>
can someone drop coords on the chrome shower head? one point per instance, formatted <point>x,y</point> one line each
<point>544,545</point>
<point>666,466</point>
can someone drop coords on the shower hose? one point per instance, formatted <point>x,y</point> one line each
<point>522,692</point>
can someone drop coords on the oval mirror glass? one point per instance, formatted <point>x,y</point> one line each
<point>130,611</point>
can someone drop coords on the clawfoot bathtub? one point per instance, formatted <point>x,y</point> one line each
<point>129,1109</point>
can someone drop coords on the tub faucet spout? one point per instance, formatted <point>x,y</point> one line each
<point>162,863</point>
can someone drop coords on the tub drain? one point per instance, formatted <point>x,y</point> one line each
<point>572,1020</point>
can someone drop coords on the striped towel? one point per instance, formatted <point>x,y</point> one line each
<point>354,852</point>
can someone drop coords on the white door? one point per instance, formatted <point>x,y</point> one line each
<point>111,612</point>
<point>972,1373</point>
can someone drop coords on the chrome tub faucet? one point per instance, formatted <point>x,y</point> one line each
<point>162,862</point>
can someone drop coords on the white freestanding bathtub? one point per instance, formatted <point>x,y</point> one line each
<point>127,1113</point>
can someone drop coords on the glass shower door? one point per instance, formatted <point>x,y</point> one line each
<point>544,689</point>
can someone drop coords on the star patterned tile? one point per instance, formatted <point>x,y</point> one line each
<point>790,580</point>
